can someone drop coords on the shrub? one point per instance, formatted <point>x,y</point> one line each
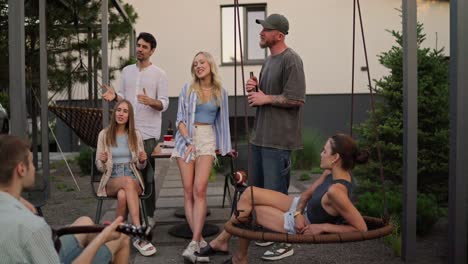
<point>433,119</point>
<point>304,176</point>
<point>85,162</point>
<point>316,170</point>
<point>428,212</point>
<point>394,239</point>
<point>309,156</point>
<point>213,173</point>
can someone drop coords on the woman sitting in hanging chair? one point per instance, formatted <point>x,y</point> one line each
<point>120,155</point>
<point>325,207</point>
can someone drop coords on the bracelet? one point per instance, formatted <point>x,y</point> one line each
<point>297,213</point>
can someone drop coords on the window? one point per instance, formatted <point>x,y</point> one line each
<point>253,53</point>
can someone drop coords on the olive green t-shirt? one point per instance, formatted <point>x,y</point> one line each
<point>278,127</point>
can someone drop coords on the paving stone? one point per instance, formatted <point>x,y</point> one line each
<point>170,192</point>
<point>166,216</point>
<point>174,202</point>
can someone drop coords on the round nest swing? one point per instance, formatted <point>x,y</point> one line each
<point>377,228</point>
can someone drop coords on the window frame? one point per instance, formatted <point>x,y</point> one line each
<point>245,8</point>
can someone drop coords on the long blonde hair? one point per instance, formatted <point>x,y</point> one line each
<point>111,132</point>
<point>215,81</point>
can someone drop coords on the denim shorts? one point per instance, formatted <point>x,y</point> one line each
<point>71,249</point>
<point>204,142</point>
<point>121,169</point>
<point>289,220</point>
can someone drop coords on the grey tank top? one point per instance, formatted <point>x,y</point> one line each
<point>315,211</point>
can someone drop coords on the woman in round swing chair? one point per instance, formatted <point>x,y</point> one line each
<point>320,209</point>
<point>120,155</point>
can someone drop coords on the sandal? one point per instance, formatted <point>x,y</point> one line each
<point>146,250</point>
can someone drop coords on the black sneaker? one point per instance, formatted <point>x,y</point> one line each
<point>278,251</point>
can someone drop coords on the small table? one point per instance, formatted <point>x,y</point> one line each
<point>183,230</point>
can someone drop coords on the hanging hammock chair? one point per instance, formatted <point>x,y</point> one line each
<point>76,108</point>
<point>77,105</point>
<point>377,227</point>
<point>85,122</point>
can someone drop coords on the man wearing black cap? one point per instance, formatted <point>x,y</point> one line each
<point>278,97</point>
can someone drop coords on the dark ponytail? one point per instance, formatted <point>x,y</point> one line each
<point>350,155</point>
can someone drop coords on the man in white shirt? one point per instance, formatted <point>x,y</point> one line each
<point>145,85</point>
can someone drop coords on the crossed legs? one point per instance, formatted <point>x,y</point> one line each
<point>270,207</point>
<point>127,191</point>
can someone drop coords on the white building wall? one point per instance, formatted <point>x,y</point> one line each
<point>320,31</point>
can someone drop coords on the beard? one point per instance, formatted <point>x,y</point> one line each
<point>267,43</point>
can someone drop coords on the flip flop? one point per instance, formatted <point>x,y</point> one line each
<point>209,251</point>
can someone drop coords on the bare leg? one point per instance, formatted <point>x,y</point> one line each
<point>121,204</point>
<point>83,239</point>
<point>120,249</point>
<point>240,257</point>
<point>202,172</point>
<point>269,206</point>
<point>262,197</point>
<point>132,190</point>
<point>187,172</point>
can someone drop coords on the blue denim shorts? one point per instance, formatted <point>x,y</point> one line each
<point>122,169</point>
<point>71,249</point>
<point>289,220</point>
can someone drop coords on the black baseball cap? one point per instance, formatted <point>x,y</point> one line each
<point>275,21</point>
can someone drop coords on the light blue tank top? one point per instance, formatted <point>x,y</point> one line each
<point>206,113</point>
<point>121,153</point>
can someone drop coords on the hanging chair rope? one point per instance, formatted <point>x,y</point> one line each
<point>385,215</point>
<point>377,227</point>
<point>237,30</point>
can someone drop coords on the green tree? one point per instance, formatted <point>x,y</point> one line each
<point>68,41</point>
<point>433,119</point>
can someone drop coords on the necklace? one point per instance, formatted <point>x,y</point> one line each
<point>206,89</point>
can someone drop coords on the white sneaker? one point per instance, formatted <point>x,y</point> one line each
<point>278,251</point>
<point>151,222</point>
<point>189,253</point>
<point>263,243</point>
<point>202,244</point>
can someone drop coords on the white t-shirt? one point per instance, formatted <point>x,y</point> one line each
<point>154,80</point>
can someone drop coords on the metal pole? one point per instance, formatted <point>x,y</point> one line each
<point>132,46</point>
<point>90,69</point>
<point>105,65</point>
<point>458,130</point>
<point>44,97</point>
<point>410,126</point>
<point>17,89</point>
